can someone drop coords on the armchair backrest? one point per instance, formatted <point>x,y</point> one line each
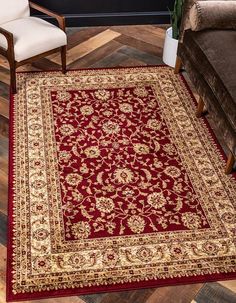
<point>13,9</point>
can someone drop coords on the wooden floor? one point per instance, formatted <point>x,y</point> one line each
<point>103,47</point>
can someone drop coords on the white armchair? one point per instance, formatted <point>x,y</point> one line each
<point>24,38</point>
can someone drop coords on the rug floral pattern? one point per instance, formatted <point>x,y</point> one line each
<point>115,181</point>
<point>122,174</point>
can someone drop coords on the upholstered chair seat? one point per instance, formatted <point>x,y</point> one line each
<point>24,38</point>
<point>32,36</point>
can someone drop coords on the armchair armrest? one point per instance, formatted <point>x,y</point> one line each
<point>10,42</point>
<point>60,18</point>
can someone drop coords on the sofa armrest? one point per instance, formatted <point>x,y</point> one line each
<point>60,18</point>
<point>185,23</point>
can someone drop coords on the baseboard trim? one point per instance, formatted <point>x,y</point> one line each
<point>120,18</point>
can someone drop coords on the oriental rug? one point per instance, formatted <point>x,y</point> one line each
<point>114,184</point>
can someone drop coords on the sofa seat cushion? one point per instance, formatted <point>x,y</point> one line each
<point>213,53</point>
<point>33,36</point>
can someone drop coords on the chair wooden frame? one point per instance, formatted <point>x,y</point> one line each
<point>9,52</point>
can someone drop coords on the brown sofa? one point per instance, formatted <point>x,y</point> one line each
<point>209,57</point>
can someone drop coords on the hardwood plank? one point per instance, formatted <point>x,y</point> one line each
<point>4,107</point>
<point>140,33</point>
<point>229,284</point>
<point>96,55</point>
<point>4,192</point>
<point>87,46</point>
<point>4,126</point>
<point>3,255</point>
<point>4,62</point>
<point>112,60</point>
<point>141,45</point>
<point>4,154</point>
<point>175,294</point>
<point>4,110</point>
<point>79,35</point>
<point>3,174</point>
<point>46,65</point>
<point>27,68</point>
<point>155,30</point>
<point>93,298</point>
<point>136,296</point>
<point>4,90</point>
<point>132,62</point>
<point>140,55</point>
<point>3,230</point>
<point>4,75</point>
<point>215,293</point>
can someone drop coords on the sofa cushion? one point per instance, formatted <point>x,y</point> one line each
<point>33,36</point>
<point>13,9</point>
<point>213,53</point>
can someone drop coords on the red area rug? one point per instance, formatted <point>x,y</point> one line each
<point>114,184</point>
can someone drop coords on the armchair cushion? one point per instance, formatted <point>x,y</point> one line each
<point>213,14</point>
<point>33,36</point>
<point>13,9</point>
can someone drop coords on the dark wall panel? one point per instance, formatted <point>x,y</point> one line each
<point>109,12</point>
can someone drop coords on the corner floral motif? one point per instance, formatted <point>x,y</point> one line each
<point>63,96</point>
<point>191,220</point>
<point>141,92</point>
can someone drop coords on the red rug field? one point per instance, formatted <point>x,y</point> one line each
<point>114,184</point>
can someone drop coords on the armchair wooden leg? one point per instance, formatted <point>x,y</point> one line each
<point>63,58</point>
<point>230,163</point>
<point>178,65</point>
<point>200,108</point>
<point>13,77</point>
